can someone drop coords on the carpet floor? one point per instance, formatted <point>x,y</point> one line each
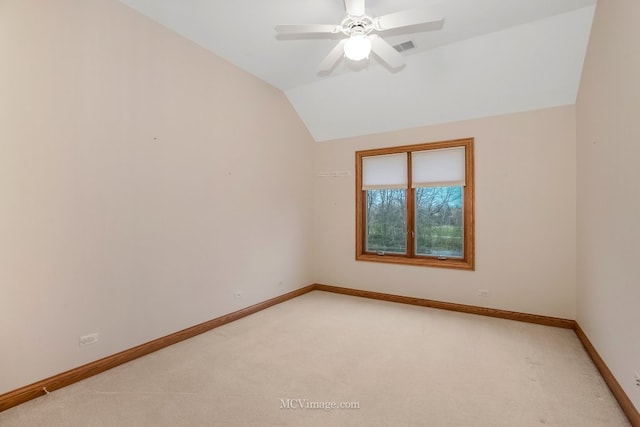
<point>325,359</point>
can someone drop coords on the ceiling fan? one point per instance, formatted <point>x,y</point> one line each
<point>359,29</point>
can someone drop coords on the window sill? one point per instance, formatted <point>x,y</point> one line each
<point>454,263</point>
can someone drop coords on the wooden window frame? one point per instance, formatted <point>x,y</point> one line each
<point>467,261</point>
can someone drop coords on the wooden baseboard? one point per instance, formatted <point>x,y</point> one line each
<point>622,398</point>
<point>492,312</point>
<point>40,388</point>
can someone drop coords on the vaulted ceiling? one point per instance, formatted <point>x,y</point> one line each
<point>489,57</point>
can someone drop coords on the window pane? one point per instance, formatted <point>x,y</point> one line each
<point>439,221</point>
<point>386,221</point>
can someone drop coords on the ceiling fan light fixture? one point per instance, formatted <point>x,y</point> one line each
<point>357,47</point>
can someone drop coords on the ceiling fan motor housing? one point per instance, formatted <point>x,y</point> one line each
<point>361,25</point>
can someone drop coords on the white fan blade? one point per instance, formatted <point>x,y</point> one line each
<point>386,52</point>
<point>304,29</point>
<point>334,56</point>
<point>406,18</point>
<point>354,7</point>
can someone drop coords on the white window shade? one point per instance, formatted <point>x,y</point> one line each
<point>438,168</point>
<point>382,172</point>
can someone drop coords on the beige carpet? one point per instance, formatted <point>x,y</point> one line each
<point>399,365</point>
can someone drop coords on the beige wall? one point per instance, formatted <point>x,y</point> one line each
<point>525,216</point>
<point>608,150</point>
<point>142,181</point>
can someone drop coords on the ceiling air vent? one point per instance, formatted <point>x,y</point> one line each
<point>404,46</point>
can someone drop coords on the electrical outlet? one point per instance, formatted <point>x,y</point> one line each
<point>483,293</point>
<point>636,376</point>
<point>237,294</point>
<point>88,339</point>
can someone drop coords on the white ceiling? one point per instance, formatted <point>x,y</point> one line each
<point>490,57</point>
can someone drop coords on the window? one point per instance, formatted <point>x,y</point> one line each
<point>414,204</point>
